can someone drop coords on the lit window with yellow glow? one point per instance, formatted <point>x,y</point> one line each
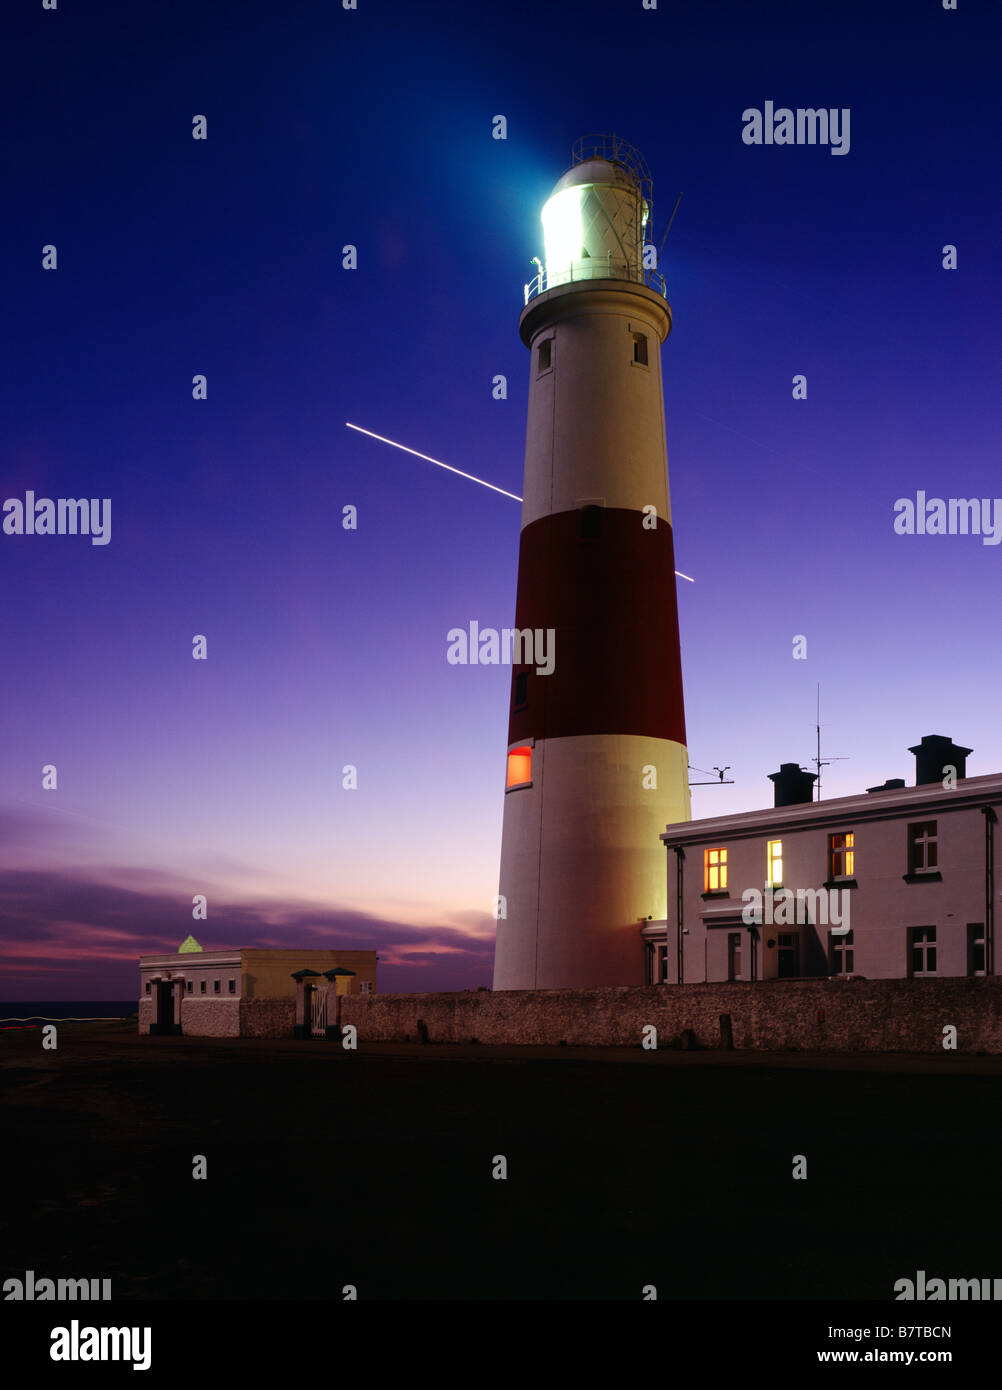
<point>519,766</point>
<point>841,855</point>
<point>715,870</point>
<point>775,861</point>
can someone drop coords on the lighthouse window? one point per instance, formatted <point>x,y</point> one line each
<point>591,523</point>
<point>521,690</point>
<point>519,766</point>
<point>640,348</point>
<point>544,354</point>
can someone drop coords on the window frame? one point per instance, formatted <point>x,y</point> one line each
<point>590,523</point>
<point>846,852</point>
<point>529,743</point>
<point>719,868</point>
<point>927,842</point>
<point>771,860</point>
<point>841,944</point>
<point>927,944</point>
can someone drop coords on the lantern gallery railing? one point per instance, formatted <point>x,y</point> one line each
<point>594,268</point>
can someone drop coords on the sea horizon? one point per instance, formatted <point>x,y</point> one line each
<point>30,1009</point>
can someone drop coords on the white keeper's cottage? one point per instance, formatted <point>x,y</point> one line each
<point>768,894</point>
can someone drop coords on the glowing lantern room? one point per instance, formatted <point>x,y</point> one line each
<point>595,220</point>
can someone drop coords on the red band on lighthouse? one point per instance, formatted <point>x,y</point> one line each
<point>607,594</point>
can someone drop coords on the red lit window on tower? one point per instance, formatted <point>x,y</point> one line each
<point>519,766</point>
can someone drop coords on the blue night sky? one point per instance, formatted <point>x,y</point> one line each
<point>327,647</point>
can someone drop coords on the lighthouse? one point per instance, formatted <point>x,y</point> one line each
<point>596,760</point>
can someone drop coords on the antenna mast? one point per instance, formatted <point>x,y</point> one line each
<point>818,762</point>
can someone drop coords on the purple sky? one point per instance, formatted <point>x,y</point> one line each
<point>327,647</point>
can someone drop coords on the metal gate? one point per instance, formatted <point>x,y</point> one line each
<point>318,1013</point>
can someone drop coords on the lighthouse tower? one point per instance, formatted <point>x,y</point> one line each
<point>597,762</point>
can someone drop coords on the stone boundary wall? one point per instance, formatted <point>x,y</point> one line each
<point>776,1015</point>
<point>230,1018</point>
<point>210,1018</point>
<point>201,1018</point>
<point>267,1018</point>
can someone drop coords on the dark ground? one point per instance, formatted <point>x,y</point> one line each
<point>373,1168</point>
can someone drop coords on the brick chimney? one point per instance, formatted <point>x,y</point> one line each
<point>934,754</point>
<point>793,785</point>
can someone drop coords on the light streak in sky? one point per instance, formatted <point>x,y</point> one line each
<point>439,464</point>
